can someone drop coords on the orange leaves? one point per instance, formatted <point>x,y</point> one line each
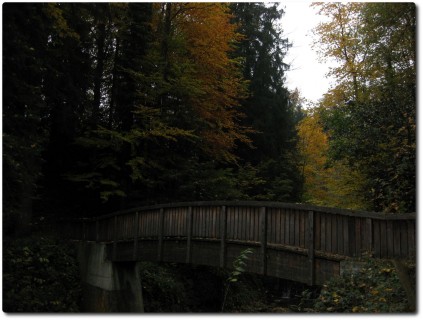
<point>202,38</point>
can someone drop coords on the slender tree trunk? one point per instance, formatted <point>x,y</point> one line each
<point>98,76</point>
<point>113,89</point>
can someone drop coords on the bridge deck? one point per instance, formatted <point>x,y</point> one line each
<point>296,242</point>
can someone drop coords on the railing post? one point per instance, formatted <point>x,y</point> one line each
<point>310,247</point>
<point>161,231</point>
<point>223,227</point>
<point>263,239</point>
<point>189,234</point>
<point>136,234</point>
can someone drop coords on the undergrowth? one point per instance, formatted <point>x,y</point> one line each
<point>374,288</point>
<point>40,274</point>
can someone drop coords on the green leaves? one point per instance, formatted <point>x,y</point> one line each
<point>370,115</point>
<point>375,288</point>
<point>238,268</point>
<point>239,265</point>
<point>40,275</point>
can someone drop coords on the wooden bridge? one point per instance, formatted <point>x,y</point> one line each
<point>291,241</point>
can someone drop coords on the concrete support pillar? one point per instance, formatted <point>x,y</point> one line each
<point>108,286</point>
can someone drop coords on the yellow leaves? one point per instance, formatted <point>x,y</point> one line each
<point>336,185</point>
<point>386,270</point>
<point>356,309</point>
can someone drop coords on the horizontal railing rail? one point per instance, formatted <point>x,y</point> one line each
<point>270,204</point>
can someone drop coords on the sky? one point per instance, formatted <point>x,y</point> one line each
<point>307,73</point>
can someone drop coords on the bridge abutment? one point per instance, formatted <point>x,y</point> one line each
<point>108,286</point>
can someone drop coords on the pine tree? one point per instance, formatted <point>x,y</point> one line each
<point>268,109</point>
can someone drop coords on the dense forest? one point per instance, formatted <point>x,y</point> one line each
<point>108,106</point>
<point>112,105</point>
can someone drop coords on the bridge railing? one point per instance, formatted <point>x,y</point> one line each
<point>297,227</point>
<point>292,241</point>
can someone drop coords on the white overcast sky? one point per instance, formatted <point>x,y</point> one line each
<point>306,74</point>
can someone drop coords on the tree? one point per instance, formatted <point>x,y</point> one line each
<point>371,120</point>
<point>29,103</point>
<point>268,108</point>
<point>172,99</point>
<point>326,182</point>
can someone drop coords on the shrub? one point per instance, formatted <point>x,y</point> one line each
<point>162,290</point>
<point>374,288</point>
<point>40,275</point>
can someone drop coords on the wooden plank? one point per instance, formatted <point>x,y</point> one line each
<point>257,224</point>
<point>383,239</point>
<point>189,218</point>
<point>200,222</point>
<point>310,247</point>
<point>411,232</point>
<point>206,222</point>
<point>340,234</point>
<point>334,238</point>
<point>291,228</point>
<point>286,220</point>
<point>270,226</point>
<point>376,239</point>
<point>323,231</point>
<point>317,231</point>
<point>389,240</point>
<point>328,220</point>
<point>144,221</point>
<point>215,222</point>
<point>250,224</point>
<point>279,230</point>
<point>97,230</point>
<point>136,235</point>
<point>178,222</point>
<point>195,223</point>
<point>263,239</point>
<point>242,223</point>
<point>345,237</point>
<point>150,226</point>
<point>237,224</point>
<point>161,231</point>
<point>351,237</point>
<point>275,225</point>
<point>209,222</point>
<point>397,239</point>
<point>303,227</point>
<point>115,225</point>
<point>230,223</point>
<point>223,230</point>
<point>297,228</point>
<point>357,236</point>
<point>167,222</point>
<point>369,235</point>
<point>404,238</point>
